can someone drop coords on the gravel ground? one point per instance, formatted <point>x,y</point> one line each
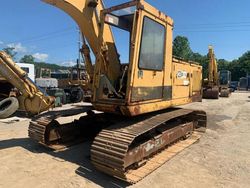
<point>220,159</point>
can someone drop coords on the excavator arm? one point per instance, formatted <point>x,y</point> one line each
<point>211,84</point>
<point>86,13</point>
<point>212,69</point>
<point>31,98</point>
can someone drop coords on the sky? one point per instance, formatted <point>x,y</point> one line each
<point>50,35</point>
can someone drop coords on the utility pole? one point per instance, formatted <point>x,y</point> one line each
<point>79,47</point>
<point>79,54</point>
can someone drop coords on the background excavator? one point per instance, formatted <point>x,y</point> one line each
<point>217,84</point>
<point>71,85</point>
<point>139,129</point>
<point>21,92</point>
<point>211,84</point>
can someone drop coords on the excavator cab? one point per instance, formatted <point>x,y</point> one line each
<point>121,18</point>
<point>225,78</point>
<point>144,78</point>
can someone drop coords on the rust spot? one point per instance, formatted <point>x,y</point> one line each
<point>136,110</point>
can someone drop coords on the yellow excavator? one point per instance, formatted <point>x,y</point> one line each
<point>211,84</point>
<point>140,127</point>
<point>25,96</point>
<point>217,84</point>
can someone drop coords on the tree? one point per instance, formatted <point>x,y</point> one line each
<point>244,62</point>
<point>181,48</point>
<point>240,67</point>
<point>223,64</point>
<point>235,68</point>
<point>10,51</point>
<point>203,60</point>
<point>27,59</point>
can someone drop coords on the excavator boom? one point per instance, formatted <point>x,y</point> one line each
<point>86,13</point>
<point>212,69</point>
<point>211,85</point>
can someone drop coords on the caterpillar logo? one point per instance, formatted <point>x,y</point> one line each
<point>182,74</point>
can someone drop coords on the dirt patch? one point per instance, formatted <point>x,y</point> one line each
<point>219,159</point>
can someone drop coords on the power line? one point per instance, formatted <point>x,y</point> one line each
<point>45,36</point>
<point>215,27</point>
<point>212,24</point>
<point>213,31</point>
<point>52,49</point>
<point>209,27</point>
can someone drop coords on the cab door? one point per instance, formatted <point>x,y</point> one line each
<point>149,58</point>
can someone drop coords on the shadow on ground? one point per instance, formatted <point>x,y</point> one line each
<point>213,120</point>
<point>78,154</point>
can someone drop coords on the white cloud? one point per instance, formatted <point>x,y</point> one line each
<point>18,47</point>
<point>1,42</point>
<point>40,56</point>
<point>68,63</point>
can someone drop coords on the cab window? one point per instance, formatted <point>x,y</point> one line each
<point>152,45</point>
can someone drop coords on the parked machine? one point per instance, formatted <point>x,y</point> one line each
<point>6,87</point>
<point>211,84</point>
<point>19,90</point>
<point>234,86</point>
<point>75,85</point>
<point>244,83</point>
<point>67,86</point>
<point>225,81</point>
<point>139,129</point>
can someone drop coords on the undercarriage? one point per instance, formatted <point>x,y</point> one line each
<point>126,148</point>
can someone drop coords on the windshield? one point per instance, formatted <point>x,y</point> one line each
<point>125,11</point>
<point>224,78</point>
<point>122,18</point>
<point>121,21</point>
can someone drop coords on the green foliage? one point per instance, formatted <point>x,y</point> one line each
<point>223,64</point>
<point>240,67</point>
<point>31,60</point>
<point>203,60</point>
<point>181,48</point>
<point>27,59</point>
<point>10,51</point>
<point>244,62</point>
<point>235,69</point>
<point>52,67</point>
